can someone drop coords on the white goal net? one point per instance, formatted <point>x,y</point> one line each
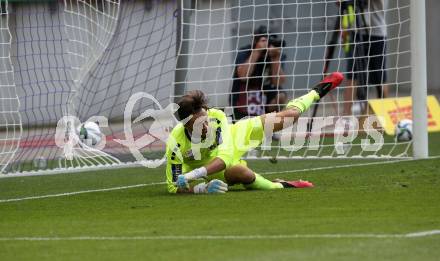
<point>66,62</point>
<point>10,120</point>
<point>368,41</point>
<point>76,61</point>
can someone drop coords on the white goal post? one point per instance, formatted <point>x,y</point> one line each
<point>419,78</point>
<point>67,62</point>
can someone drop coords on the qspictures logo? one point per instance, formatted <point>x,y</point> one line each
<point>294,137</point>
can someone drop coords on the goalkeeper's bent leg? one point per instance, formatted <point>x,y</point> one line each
<point>241,174</point>
<point>260,183</point>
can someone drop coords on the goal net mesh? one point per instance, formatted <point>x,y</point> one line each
<point>66,62</point>
<point>76,61</point>
<point>368,41</point>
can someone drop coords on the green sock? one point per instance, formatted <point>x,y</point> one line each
<point>304,102</point>
<point>261,183</point>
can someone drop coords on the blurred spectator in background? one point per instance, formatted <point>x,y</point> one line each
<point>258,76</point>
<point>367,52</point>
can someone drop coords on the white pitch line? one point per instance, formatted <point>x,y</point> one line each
<point>162,183</point>
<point>423,233</point>
<point>335,167</point>
<point>222,237</point>
<point>81,192</point>
<point>345,166</point>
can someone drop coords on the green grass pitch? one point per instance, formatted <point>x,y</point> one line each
<point>145,223</point>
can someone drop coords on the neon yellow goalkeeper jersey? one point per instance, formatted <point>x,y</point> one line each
<point>183,156</point>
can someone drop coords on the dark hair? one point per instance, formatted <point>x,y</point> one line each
<point>260,32</point>
<point>191,103</point>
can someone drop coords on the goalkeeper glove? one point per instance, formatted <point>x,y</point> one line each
<point>183,179</point>
<point>181,182</point>
<point>214,186</point>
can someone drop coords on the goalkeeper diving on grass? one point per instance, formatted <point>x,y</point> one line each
<point>205,146</point>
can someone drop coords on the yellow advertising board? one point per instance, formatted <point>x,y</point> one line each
<point>391,110</point>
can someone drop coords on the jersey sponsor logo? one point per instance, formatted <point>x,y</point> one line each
<point>176,169</point>
<point>218,136</point>
<point>189,154</point>
<point>218,139</point>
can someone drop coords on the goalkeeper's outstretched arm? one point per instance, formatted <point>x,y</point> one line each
<point>174,173</point>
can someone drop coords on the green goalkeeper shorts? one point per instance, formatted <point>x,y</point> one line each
<point>247,134</point>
